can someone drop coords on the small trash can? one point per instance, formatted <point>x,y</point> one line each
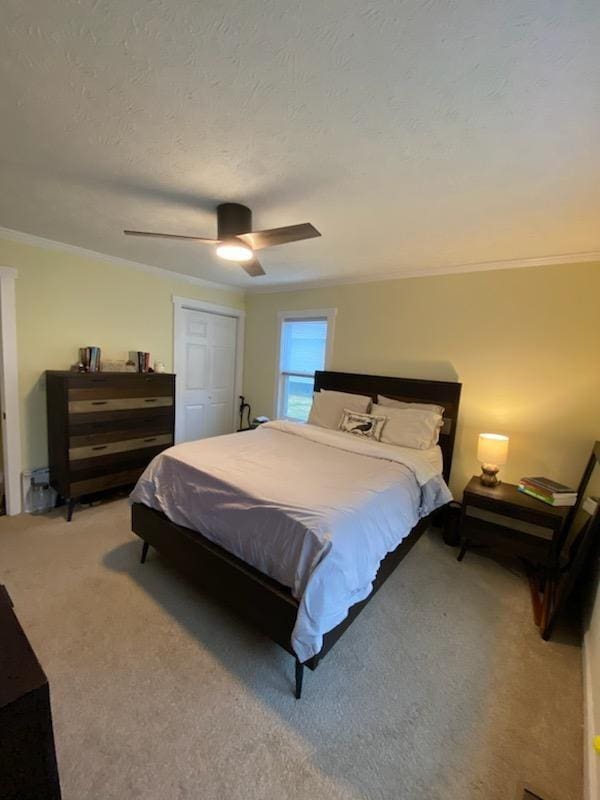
<point>451,533</point>
<point>38,496</point>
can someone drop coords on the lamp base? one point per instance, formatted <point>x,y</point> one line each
<point>489,475</point>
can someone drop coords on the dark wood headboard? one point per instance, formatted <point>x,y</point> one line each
<point>412,390</point>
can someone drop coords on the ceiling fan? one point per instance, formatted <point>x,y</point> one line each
<point>236,241</point>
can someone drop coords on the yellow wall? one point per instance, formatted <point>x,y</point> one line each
<point>66,301</point>
<point>525,344</point>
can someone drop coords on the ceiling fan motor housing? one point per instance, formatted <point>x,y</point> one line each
<point>232,219</point>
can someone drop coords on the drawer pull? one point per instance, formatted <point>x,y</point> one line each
<point>100,447</point>
<point>151,399</point>
<point>151,439</point>
<point>99,402</point>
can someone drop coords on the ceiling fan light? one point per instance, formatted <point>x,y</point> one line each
<point>234,251</point>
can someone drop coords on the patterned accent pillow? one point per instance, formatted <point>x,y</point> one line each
<point>366,425</point>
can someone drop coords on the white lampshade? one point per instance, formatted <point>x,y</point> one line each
<point>492,449</point>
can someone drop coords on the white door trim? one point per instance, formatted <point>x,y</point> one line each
<point>9,391</point>
<point>181,303</point>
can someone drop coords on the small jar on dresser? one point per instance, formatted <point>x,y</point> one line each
<point>104,428</point>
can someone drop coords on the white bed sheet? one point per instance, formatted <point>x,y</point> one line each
<point>315,509</point>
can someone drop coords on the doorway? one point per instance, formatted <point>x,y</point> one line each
<point>208,353</point>
<point>9,392</point>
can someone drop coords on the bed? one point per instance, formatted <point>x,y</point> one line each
<point>295,526</point>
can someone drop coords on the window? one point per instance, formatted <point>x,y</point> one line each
<point>305,339</point>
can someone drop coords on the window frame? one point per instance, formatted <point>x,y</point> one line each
<point>327,314</point>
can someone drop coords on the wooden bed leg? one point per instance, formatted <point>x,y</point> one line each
<point>299,676</point>
<point>145,547</point>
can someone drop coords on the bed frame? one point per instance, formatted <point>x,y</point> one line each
<point>260,599</point>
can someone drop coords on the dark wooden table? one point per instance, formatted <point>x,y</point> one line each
<point>518,525</point>
<point>28,769</point>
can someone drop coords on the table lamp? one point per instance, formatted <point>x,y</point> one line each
<point>492,452</point>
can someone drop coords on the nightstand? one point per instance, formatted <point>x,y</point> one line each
<point>515,524</point>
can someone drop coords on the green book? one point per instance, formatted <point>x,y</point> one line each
<point>531,493</point>
<point>544,498</point>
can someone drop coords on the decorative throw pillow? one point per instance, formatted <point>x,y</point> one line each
<point>410,427</point>
<point>389,402</point>
<point>328,406</point>
<point>366,425</point>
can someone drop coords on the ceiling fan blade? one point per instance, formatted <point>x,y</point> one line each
<point>172,236</point>
<point>253,268</point>
<point>290,233</point>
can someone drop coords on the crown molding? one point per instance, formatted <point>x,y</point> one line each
<point>297,286</point>
<point>50,244</point>
<point>429,272</point>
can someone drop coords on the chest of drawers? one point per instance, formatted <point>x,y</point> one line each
<point>104,428</point>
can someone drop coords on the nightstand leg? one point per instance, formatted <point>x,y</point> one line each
<point>145,547</point>
<point>464,544</point>
<point>70,507</point>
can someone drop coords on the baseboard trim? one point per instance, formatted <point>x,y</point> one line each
<point>591,779</point>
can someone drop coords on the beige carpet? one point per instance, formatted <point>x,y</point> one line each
<point>441,690</point>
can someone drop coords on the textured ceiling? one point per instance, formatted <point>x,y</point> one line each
<point>415,135</point>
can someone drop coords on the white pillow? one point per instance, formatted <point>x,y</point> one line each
<point>328,407</point>
<point>388,402</point>
<point>365,425</point>
<point>409,427</point>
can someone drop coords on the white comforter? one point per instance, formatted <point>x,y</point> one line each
<point>313,508</point>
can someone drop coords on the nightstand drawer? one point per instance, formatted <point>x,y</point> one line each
<point>530,528</point>
<point>521,507</point>
<point>506,540</point>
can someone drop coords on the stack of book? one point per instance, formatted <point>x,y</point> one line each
<point>548,491</point>
<point>142,360</point>
<point>90,358</point>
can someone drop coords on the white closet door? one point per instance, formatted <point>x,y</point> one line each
<point>206,385</point>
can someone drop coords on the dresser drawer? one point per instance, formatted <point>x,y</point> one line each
<point>102,463</point>
<point>158,420</point>
<point>107,481</point>
<point>122,446</point>
<point>153,383</point>
<point>104,432</point>
<point>103,391</point>
<point>117,404</point>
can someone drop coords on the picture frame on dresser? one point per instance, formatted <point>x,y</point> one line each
<point>104,428</point>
